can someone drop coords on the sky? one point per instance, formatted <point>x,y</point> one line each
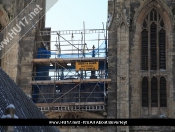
<point>70,15</point>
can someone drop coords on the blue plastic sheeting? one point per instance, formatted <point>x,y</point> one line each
<point>43,53</point>
<point>98,52</point>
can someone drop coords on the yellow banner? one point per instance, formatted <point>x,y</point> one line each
<point>87,66</point>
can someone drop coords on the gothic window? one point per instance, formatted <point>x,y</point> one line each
<point>153,41</point>
<point>163,101</point>
<point>145,92</point>
<point>154,96</point>
<point>156,90</point>
<point>153,58</point>
<point>144,50</point>
<point>162,63</point>
<point>153,44</point>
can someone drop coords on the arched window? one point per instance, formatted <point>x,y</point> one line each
<point>154,95</point>
<point>153,60</point>
<point>153,35</point>
<point>162,60</point>
<point>144,50</point>
<point>155,90</point>
<point>145,92</point>
<point>163,97</point>
<point>153,41</point>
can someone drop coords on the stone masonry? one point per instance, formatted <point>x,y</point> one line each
<point>17,63</point>
<point>125,26</point>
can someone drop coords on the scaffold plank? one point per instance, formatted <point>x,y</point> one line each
<point>66,60</point>
<point>69,81</point>
<point>68,32</point>
<point>68,104</point>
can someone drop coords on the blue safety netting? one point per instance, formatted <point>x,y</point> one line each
<point>43,53</point>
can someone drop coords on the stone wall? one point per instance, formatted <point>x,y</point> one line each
<point>28,49</point>
<point>118,65</point>
<point>125,61</point>
<point>17,59</point>
<point>136,75</point>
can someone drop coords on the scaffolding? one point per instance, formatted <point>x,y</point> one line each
<point>58,84</point>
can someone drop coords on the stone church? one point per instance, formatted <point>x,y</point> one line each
<point>141,58</point>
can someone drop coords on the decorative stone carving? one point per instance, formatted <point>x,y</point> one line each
<point>146,5</point>
<point>121,17</point>
<point>117,20</point>
<point>110,14</point>
<point>122,78</point>
<point>125,17</point>
<point>122,32</point>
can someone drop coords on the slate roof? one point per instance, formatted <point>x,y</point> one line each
<point>10,93</point>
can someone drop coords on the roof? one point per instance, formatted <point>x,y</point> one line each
<point>10,93</point>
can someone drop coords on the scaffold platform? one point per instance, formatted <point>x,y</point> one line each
<point>73,77</point>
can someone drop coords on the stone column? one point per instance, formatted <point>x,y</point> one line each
<point>118,63</point>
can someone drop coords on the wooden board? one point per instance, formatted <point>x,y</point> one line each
<point>69,81</point>
<point>68,104</point>
<point>67,60</point>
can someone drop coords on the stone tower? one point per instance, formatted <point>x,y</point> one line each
<point>141,60</point>
<point>17,18</point>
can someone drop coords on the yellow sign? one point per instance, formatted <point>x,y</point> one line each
<point>87,66</point>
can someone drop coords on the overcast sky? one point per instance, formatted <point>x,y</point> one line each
<point>70,14</point>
